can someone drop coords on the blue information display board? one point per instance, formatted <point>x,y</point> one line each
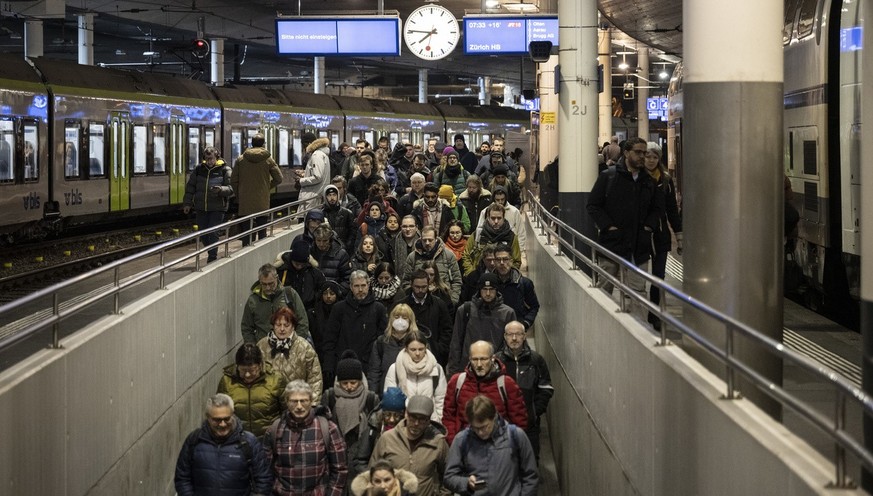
<point>322,37</point>
<point>657,108</point>
<point>507,35</point>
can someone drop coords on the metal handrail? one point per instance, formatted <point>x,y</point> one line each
<point>284,213</point>
<point>845,389</point>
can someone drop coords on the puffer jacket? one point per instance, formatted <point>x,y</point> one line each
<point>300,363</point>
<point>445,261</point>
<point>382,357</point>
<point>475,206</point>
<point>334,263</point>
<point>485,323</point>
<point>431,383</point>
<point>257,404</point>
<point>342,221</point>
<point>259,308</point>
<point>407,480</point>
<point>360,260</point>
<point>317,173</point>
<point>305,281</point>
<point>207,467</point>
<point>512,408</point>
<point>255,173</point>
<point>198,189</point>
<point>385,242</point>
<point>427,460</point>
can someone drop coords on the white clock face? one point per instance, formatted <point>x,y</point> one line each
<point>431,32</point>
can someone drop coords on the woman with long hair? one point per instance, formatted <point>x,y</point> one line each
<point>417,373</point>
<point>436,286</point>
<point>385,286</point>
<point>367,256</point>
<point>401,321</point>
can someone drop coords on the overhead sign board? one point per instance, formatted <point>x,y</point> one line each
<point>657,108</point>
<point>338,36</point>
<point>507,35</point>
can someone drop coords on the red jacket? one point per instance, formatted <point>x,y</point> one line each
<point>454,412</point>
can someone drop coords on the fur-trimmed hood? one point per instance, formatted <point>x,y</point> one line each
<point>319,143</point>
<point>408,482</point>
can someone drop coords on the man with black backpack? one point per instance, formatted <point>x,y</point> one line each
<point>220,457</point>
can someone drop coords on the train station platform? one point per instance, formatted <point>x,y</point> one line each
<point>107,413</point>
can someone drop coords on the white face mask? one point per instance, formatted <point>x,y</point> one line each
<point>400,324</point>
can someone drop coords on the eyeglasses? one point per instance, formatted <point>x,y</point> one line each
<point>220,420</point>
<point>514,335</point>
<point>480,359</point>
<point>301,402</point>
<point>407,227</point>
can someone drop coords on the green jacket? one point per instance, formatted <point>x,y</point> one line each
<point>257,404</point>
<point>259,308</point>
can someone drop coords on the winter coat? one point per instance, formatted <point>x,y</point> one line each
<point>260,307</point>
<point>459,213</point>
<point>634,207</point>
<point>445,261</point>
<point>531,373</point>
<point>512,408</point>
<point>361,262</point>
<point>305,281</point>
<point>407,202</point>
<point>207,467</point>
<point>353,325</point>
<point>473,251</point>
<point>407,480</point>
<point>515,220</point>
<point>427,460</point>
<point>198,189</point>
<point>446,216</point>
<point>342,221</point>
<point>258,404</point>
<point>305,462</point>
<point>662,238</point>
<point>300,363</point>
<point>359,442</point>
<point>255,173</point>
<point>484,166</point>
<point>431,384</point>
<point>401,254</point>
<point>351,202</point>
<point>475,206</point>
<point>505,461</point>
<point>518,293</point>
<point>513,190</point>
<point>334,263</point>
<point>485,323</point>
<point>382,357</point>
<point>458,182</point>
<point>385,242</point>
<point>359,186</point>
<point>317,173</point>
<point>434,318</point>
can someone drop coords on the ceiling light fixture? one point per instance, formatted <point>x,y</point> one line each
<point>490,4</point>
<point>521,6</point>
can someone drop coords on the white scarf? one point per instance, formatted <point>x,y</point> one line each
<point>405,367</point>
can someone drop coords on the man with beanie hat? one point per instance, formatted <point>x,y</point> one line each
<point>311,221</point>
<point>481,319</point>
<point>418,445</point>
<point>457,209</point>
<point>298,270</point>
<point>452,174</point>
<point>341,219</point>
<point>465,156</point>
<point>312,180</point>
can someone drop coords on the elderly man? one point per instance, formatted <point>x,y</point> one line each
<point>269,295</point>
<point>417,444</point>
<point>354,324</point>
<point>483,375</point>
<point>416,192</point>
<point>304,448</point>
<point>220,457</point>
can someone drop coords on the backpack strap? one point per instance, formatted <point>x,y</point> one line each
<point>462,376</point>
<point>325,431</point>
<point>246,449</point>
<point>501,386</point>
<point>191,441</point>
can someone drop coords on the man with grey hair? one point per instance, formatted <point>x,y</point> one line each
<point>268,295</point>
<point>220,457</point>
<point>416,191</point>
<point>354,324</point>
<point>306,451</point>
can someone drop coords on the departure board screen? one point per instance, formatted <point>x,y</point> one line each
<point>507,35</point>
<point>320,37</point>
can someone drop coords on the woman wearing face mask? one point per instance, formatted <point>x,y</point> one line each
<point>255,389</point>
<point>417,373</point>
<point>385,286</point>
<point>401,321</point>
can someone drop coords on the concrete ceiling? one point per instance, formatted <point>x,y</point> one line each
<point>125,30</point>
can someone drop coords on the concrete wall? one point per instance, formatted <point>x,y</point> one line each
<point>629,417</point>
<point>108,413</point>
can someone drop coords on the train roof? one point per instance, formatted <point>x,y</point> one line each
<point>69,77</point>
<point>18,73</point>
<point>255,97</point>
<point>471,113</point>
<point>373,106</point>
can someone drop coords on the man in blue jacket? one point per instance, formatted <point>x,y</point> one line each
<point>220,458</point>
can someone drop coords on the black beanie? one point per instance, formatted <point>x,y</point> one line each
<point>349,368</point>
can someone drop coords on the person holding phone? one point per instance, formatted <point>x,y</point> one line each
<point>490,456</point>
<point>207,192</point>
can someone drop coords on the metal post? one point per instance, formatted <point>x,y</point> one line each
<point>226,241</point>
<point>56,327</point>
<point>161,283</point>
<point>840,454</point>
<point>729,352</point>
<point>573,253</point>
<point>663,305</point>
<point>117,298</point>
<point>622,278</point>
<point>197,253</point>
<point>558,238</point>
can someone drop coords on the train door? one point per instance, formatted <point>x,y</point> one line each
<point>178,147</point>
<point>119,162</point>
<point>284,147</point>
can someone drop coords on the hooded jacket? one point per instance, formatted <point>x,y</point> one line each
<point>255,173</point>
<point>198,189</point>
<point>407,480</point>
<point>300,363</point>
<point>486,322</point>
<point>305,281</point>
<point>353,325</point>
<point>475,206</point>
<point>427,460</point>
<point>317,173</point>
<point>259,308</point>
<point>342,221</point>
<point>446,263</point>
<point>257,404</point>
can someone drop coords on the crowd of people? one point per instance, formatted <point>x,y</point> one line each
<point>385,352</point>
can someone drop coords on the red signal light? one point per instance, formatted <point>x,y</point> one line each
<point>200,48</point>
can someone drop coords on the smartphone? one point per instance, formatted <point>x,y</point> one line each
<point>479,484</point>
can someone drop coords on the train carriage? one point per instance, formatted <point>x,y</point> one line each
<point>401,122</point>
<point>479,124</point>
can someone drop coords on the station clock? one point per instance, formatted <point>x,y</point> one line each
<point>431,32</point>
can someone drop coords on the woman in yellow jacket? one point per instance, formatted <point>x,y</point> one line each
<point>255,388</point>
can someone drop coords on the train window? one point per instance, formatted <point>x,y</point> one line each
<point>296,150</point>
<point>96,149</point>
<point>283,147</point>
<point>193,147</point>
<point>7,145</point>
<point>31,157</point>
<point>71,152</point>
<point>791,150</point>
<point>807,17</point>
<point>790,14</point>
<point>395,138</point>
<point>235,143</point>
<point>209,137</point>
<point>140,148</point>
<point>159,145</point>
<point>810,153</point>
<point>370,136</point>
<point>335,139</point>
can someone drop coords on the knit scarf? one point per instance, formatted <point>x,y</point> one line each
<point>277,345</point>
<point>349,407</point>
<point>432,216</point>
<point>456,247</point>
<point>405,367</point>
<point>489,235</point>
<point>384,292</point>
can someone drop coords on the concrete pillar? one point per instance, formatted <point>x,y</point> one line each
<point>867,242</point>
<point>578,114</point>
<point>318,75</point>
<point>422,86</point>
<point>216,63</point>
<point>547,139</point>
<point>86,39</point>
<point>33,44</point>
<point>485,90</point>
<point>733,199</point>
<point>642,93</point>
<point>604,51</point>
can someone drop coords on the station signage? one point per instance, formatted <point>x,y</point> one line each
<point>657,108</point>
<point>338,36</point>
<point>507,35</point>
